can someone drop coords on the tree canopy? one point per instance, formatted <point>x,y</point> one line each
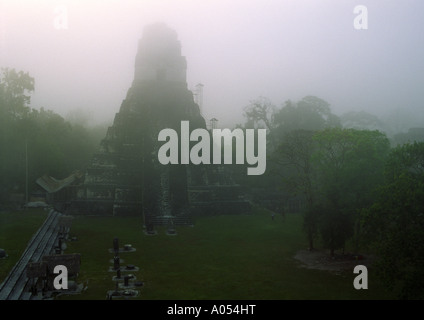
<point>394,224</point>
<point>51,144</point>
<point>353,184</point>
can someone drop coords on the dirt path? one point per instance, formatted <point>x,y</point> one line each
<point>321,260</point>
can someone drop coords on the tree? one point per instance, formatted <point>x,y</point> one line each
<point>310,113</point>
<point>394,224</point>
<point>362,120</point>
<point>349,164</point>
<point>259,114</point>
<point>413,135</point>
<point>402,119</point>
<point>53,145</point>
<point>14,87</point>
<point>294,126</point>
<point>294,158</point>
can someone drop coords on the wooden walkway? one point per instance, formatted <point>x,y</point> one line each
<point>16,285</point>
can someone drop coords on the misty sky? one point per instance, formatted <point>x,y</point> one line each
<point>239,50</point>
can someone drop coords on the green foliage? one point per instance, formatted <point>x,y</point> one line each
<point>335,226</point>
<point>394,224</point>
<point>291,146</point>
<point>310,113</point>
<point>351,161</point>
<point>413,135</point>
<point>13,89</point>
<point>362,120</point>
<point>294,157</point>
<point>350,166</point>
<point>53,146</point>
<point>335,170</point>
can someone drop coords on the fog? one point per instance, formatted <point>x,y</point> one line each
<point>238,49</point>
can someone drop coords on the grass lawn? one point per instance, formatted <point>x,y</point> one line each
<point>221,257</point>
<point>16,229</point>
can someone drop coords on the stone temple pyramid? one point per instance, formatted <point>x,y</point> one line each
<point>125,176</point>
